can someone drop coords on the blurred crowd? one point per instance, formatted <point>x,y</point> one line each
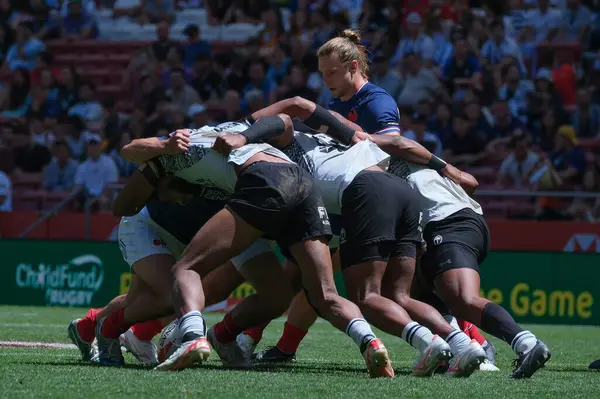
<point>508,90</point>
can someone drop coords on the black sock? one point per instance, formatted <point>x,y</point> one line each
<point>497,321</point>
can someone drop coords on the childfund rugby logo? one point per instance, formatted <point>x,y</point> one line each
<point>71,284</point>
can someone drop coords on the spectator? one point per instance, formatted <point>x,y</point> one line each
<point>7,14</point>
<point>68,89</point>
<point>480,120</point>
<point>162,44</point>
<point>5,42</point>
<point>153,11</point>
<point>418,83</point>
<point>279,65</point>
<point>518,166</point>
<point>324,31</point>
<point>255,100</point>
<point>87,107</point>
<point>576,21</point>
<point>567,159</point>
<point>417,42</point>
<point>5,193</point>
<point>419,134</point>
<point>40,134</point>
<point>174,61</point>
<point>207,82</point>
<point>236,11</point>
<point>76,136</point>
<point>461,71</point>
<point>95,173</point>
<point>198,115</point>
<point>544,96</point>
<point>516,91</point>
<point>30,157</point>
<point>14,97</point>
<point>160,118</point>
<point>517,15</point>
<point>273,30</point>
<point>232,104</point>
<point>586,118</point>
<point>45,62</point>
<point>384,77</point>
<point>194,48</point>
<point>545,20</point>
<point>78,24</point>
<point>113,123</point>
<point>42,22</point>
<point>235,73</point>
<point>504,123</point>
<point>151,94</point>
<point>49,89</point>
<point>59,175</point>
<point>464,148</point>
<point>182,95</point>
<point>499,46</point>
<point>124,167</point>
<point>442,123</point>
<point>88,6</point>
<point>258,81</point>
<point>24,53</point>
<point>296,84</point>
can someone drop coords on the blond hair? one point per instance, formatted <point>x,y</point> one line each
<point>348,49</point>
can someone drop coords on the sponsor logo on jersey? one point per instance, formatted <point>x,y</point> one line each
<point>157,242</point>
<point>353,115</point>
<point>342,236</point>
<point>323,215</point>
<point>437,240</point>
<point>72,283</point>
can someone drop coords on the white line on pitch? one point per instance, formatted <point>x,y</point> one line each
<point>42,345</point>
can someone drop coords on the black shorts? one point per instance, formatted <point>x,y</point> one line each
<point>462,240</point>
<point>280,200</point>
<point>380,219</point>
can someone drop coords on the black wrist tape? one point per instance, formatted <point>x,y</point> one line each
<point>250,119</point>
<point>264,129</point>
<point>152,171</point>
<point>322,118</point>
<point>436,163</point>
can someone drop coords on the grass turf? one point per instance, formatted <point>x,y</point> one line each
<point>329,365</point>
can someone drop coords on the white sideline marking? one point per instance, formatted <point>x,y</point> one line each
<point>33,325</point>
<point>41,345</point>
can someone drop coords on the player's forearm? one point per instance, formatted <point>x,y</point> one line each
<point>404,148</point>
<point>142,150</point>
<point>296,107</point>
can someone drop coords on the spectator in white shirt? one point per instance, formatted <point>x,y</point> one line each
<point>416,42</point>
<point>499,46</point>
<point>95,173</point>
<point>88,108</point>
<point>5,193</point>
<point>545,20</point>
<point>517,167</point>
<point>418,133</point>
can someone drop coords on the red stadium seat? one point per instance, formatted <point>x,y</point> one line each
<point>27,200</point>
<point>51,199</point>
<point>26,182</point>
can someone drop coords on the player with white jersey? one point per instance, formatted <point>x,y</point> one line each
<point>150,242</point>
<point>458,241</point>
<point>380,234</point>
<point>270,196</point>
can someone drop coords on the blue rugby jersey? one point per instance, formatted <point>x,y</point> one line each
<point>372,108</point>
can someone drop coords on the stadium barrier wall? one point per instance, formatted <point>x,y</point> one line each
<point>535,287</point>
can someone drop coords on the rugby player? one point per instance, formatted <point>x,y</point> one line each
<point>380,218</point>
<point>458,239</point>
<point>273,196</point>
<point>343,63</point>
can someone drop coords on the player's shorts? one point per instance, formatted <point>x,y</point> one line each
<point>140,237</point>
<point>280,200</point>
<point>380,219</point>
<point>462,240</point>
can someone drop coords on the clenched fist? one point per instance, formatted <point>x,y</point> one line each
<point>179,142</point>
<point>226,143</point>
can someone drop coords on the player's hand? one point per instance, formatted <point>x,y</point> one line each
<point>359,136</point>
<point>463,179</point>
<point>227,143</point>
<point>179,142</point>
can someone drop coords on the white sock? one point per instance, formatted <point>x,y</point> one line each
<point>192,322</point>
<point>452,321</point>
<point>523,342</point>
<point>417,336</point>
<point>458,341</point>
<point>360,332</point>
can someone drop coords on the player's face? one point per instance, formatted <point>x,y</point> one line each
<point>336,75</point>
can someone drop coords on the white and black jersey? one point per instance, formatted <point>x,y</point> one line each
<point>204,166</point>
<point>440,197</point>
<point>333,165</point>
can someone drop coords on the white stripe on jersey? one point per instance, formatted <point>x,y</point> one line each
<point>332,165</point>
<point>440,197</point>
<point>202,165</point>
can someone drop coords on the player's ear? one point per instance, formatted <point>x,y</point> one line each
<point>353,66</point>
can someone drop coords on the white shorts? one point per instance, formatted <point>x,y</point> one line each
<point>141,237</point>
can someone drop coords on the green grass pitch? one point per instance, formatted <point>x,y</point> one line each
<point>329,365</point>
